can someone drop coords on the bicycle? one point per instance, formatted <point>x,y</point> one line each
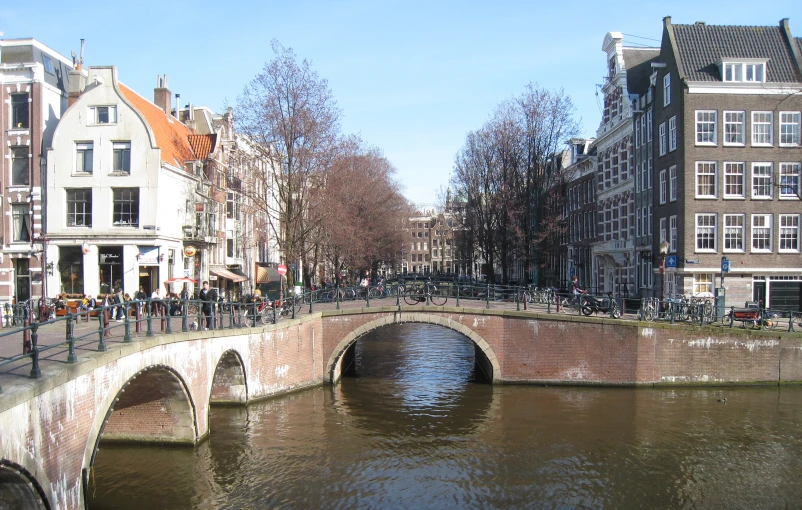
<point>421,293</point>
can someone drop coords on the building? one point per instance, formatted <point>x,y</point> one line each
<point>727,122</point>
<point>614,250</point>
<point>430,246</point>
<point>123,181</point>
<point>579,206</point>
<point>32,100</point>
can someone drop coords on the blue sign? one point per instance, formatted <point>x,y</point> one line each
<point>725,265</point>
<point>572,272</point>
<point>671,261</point>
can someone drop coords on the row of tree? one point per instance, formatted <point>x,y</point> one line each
<point>328,199</point>
<point>504,173</point>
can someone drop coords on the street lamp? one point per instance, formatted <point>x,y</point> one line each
<point>663,250</point>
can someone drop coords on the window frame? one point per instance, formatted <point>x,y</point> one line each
<point>81,150</point>
<point>662,142</point>
<point>95,112</point>
<point>734,233</point>
<point>769,180</point>
<point>710,238</point>
<point>120,156</point>
<point>672,134</point>
<point>714,184</point>
<point>72,212</point>
<point>728,166</point>
<point>728,123</point>
<point>672,234</point>
<point>769,123</point>
<point>754,230</point>
<point>667,89</point>
<point>673,186</point>
<point>703,284</point>
<point>710,123</point>
<point>20,153</point>
<point>17,110</point>
<point>663,186</point>
<point>792,228</point>
<point>795,129</point>
<point>118,208</point>
<point>795,178</point>
<point>21,220</point>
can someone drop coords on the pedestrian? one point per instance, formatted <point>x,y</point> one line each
<point>156,298</point>
<point>209,298</point>
<point>120,299</point>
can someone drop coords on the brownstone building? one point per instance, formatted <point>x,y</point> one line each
<point>727,158</point>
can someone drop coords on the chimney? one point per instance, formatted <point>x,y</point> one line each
<point>161,94</point>
<point>77,80</point>
<point>177,113</point>
<point>189,119</point>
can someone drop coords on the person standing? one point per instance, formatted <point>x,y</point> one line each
<point>156,300</point>
<point>208,297</point>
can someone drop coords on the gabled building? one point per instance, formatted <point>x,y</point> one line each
<point>123,176</point>
<point>575,258</point>
<point>33,98</point>
<point>728,159</point>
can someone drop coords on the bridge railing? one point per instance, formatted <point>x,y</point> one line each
<point>58,339</point>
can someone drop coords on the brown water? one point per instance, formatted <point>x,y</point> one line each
<point>413,431</point>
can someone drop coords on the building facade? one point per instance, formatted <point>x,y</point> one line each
<point>576,256</point>
<point>727,120</point>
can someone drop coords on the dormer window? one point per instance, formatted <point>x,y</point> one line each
<point>744,72</point>
<point>103,114</point>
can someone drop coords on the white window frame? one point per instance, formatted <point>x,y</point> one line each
<point>667,89</point>
<point>765,226</point>
<point>734,128</point>
<point>706,119</point>
<point>649,172</point>
<point>673,186</point>
<point>790,128</point>
<point>672,234</point>
<point>707,165</point>
<point>82,150</point>
<point>713,237</point>
<point>734,228</point>
<point>703,284</point>
<point>649,125</point>
<point>663,229</point>
<point>672,134</point>
<point>762,138</point>
<point>762,181</point>
<point>638,231</point>
<point>663,187</point>
<point>94,113</point>
<point>662,138</point>
<point>789,172</point>
<point>734,176</point>
<point>789,231</point>
<point>650,219</point>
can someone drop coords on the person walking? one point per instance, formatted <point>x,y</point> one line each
<point>208,297</point>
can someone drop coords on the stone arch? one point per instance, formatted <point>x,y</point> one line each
<point>490,364</point>
<point>229,384</point>
<point>19,489</point>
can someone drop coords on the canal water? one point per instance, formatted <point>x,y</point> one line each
<point>415,429</point>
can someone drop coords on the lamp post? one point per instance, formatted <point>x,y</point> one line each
<point>663,250</point>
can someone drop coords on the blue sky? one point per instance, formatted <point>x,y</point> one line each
<point>412,77</point>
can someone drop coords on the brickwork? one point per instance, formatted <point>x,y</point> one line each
<point>160,389</point>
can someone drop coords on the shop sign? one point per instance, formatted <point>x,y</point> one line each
<point>190,251</point>
<point>148,255</point>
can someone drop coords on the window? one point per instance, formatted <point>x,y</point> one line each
<point>663,186</point>
<point>762,123</point>
<point>672,133</point>
<point>662,138</point>
<point>649,125</point>
<point>734,180</point>
<point>48,64</point>
<point>638,230</point>
<point>672,233</point>
<point>743,72</point>
<point>19,111</point>
<point>84,157</point>
<point>705,179</point>
<point>650,220</point>
<point>20,166</point>
<point>649,173</point>
<point>79,207</point>
<point>706,127</point>
<point>667,89</point>
<point>22,222</point>
<point>734,232</point>
<point>126,207</point>
<point>789,128</point>
<point>705,232</point>
<point>789,232</point>
<point>122,157</point>
<point>703,284</point>
<point>734,124</point>
<point>761,232</point>
<point>789,180</point>
<point>663,230</point>
<point>672,183</point>
<point>761,180</point>
<point>103,114</point>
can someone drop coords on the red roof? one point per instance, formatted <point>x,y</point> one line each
<point>172,137</point>
<point>202,144</point>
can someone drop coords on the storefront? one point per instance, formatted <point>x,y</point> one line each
<point>148,259</point>
<point>110,268</point>
<point>71,270</point>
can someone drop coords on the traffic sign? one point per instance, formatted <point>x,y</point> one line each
<point>282,269</point>
<point>725,265</point>
<point>671,261</point>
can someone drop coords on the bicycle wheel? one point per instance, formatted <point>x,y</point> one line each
<point>648,313</point>
<point>267,315</point>
<point>438,298</point>
<point>616,313</point>
<point>412,297</point>
<point>770,322</point>
<point>349,293</point>
<point>373,293</point>
<point>587,310</point>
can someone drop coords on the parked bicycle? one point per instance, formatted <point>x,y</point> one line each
<point>420,293</point>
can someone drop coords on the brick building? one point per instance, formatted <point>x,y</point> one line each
<point>727,124</point>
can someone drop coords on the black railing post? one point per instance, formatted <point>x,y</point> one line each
<point>184,309</point>
<point>671,312</point>
<point>517,300</point>
<point>71,357</point>
<point>487,297</point>
<point>311,298</point>
<point>201,318</point>
<point>150,317</point>
<point>367,297</point>
<point>612,307</point>
<point>337,293</point>
<point>275,315</point>
<point>458,294</point>
<point>253,312</point>
<point>398,294</point>
<point>104,323</point>
<point>230,315</point>
<point>127,335</point>
<point>168,328</point>
<point>36,373</point>
<point>293,304</point>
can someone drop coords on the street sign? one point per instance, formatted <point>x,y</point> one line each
<point>725,265</point>
<point>671,261</point>
<point>282,269</point>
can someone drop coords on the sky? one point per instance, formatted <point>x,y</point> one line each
<point>411,78</point>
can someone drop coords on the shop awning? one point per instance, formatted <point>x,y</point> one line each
<point>237,271</point>
<point>267,274</point>
<point>225,273</point>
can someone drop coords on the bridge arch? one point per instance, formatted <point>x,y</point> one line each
<point>486,357</point>
<point>229,382</point>
<point>19,489</point>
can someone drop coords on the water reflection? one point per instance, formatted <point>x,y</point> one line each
<point>412,431</point>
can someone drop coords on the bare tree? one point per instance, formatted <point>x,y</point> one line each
<point>290,117</point>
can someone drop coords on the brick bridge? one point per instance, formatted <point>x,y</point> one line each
<point>159,389</point>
